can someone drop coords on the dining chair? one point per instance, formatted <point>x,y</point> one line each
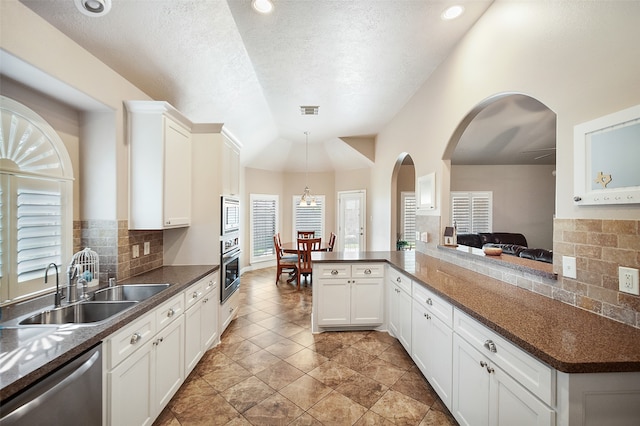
<point>285,263</point>
<point>332,242</point>
<point>306,234</point>
<point>305,248</point>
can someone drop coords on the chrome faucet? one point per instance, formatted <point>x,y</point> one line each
<point>83,284</point>
<point>72,291</point>
<point>58,295</point>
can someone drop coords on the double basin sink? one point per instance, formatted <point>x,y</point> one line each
<point>104,304</point>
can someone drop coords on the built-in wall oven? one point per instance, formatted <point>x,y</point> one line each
<point>229,266</point>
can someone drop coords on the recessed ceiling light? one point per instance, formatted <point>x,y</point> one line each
<point>262,6</point>
<point>93,8</point>
<point>452,12</point>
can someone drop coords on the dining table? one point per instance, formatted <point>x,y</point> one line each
<point>292,248</point>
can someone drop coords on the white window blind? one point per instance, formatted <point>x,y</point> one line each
<point>472,212</point>
<point>409,217</point>
<point>308,218</point>
<point>263,226</point>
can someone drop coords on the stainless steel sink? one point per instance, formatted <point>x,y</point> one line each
<point>80,313</point>
<point>136,292</point>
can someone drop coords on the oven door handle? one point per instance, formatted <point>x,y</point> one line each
<point>231,255</point>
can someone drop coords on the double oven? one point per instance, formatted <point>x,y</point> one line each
<point>229,247</point>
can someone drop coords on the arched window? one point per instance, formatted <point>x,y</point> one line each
<point>36,202</point>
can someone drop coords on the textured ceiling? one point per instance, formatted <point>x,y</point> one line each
<point>219,61</point>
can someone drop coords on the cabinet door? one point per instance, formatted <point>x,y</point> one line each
<point>394,309</point>
<point>193,335</point>
<point>334,302</point>
<point>209,319</point>
<point>177,175</point>
<point>420,337</point>
<point>130,387</point>
<point>231,169</point>
<point>367,297</point>
<point>470,385</point>
<point>440,360</point>
<point>169,362</point>
<point>512,404</point>
<point>404,320</point>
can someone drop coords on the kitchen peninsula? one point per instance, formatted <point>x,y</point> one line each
<point>567,364</point>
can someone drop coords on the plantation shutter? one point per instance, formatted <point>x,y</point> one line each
<point>264,222</point>
<point>308,218</point>
<point>472,211</point>
<point>409,217</point>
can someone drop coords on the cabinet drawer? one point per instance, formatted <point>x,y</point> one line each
<point>435,304</point>
<point>400,280</point>
<point>169,311</point>
<point>193,294</point>
<point>210,282</point>
<point>128,339</point>
<point>332,270</point>
<point>537,377</point>
<point>367,270</point>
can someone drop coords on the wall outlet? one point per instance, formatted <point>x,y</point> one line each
<point>147,248</point>
<point>569,267</point>
<point>424,237</point>
<point>135,251</point>
<point>628,280</point>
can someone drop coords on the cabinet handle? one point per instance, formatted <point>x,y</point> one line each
<point>491,346</point>
<point>427,316</point>
<point>334,272</point>
<point>170,313</point>
<point>429,301</point>
<point>483,364</point>
<point>195,295</point>
<point>135,338</point>
<point>398,280</point>
<point>205,300</point>
<point>230,310</point>
<point>367,271</point>
<point>490,370</point>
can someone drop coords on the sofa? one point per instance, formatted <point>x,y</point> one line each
<point>511,243</point>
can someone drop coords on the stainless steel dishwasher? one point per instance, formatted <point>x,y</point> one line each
<point>71,395</point>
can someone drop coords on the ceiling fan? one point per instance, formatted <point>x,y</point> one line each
<point>541,150</point>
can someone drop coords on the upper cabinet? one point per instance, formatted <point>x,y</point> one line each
<point>159,166</point>
<point>230,168</point>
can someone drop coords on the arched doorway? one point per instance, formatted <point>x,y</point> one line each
<point>403,203</point>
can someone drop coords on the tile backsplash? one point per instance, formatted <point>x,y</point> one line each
<point>113,242</point>
<point>599,246</point>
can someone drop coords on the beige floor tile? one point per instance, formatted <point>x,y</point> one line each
<point>266,338</point>
<point>400,409</point>
<point>361,389</point>
<point>382,371</point>
<point>372,419</point>
<point>258,361</point>
<point>215,411</point>
<point>413,384</point>
<point>284,348</point>
<point>226,376</point>
<point>280,374</point>
<point>438,418</point>
<point>371,345</point>
<point>305,391</point>
<point>396,355</point>
<point>247,393</point>
<point>331,373</point>
<point>306,420</point>
<point>273,411</point>
<point>306,360</point>
<point>353,358</point>
<point>192,392</point>
<point>241,350</point>
<point>337,409</point>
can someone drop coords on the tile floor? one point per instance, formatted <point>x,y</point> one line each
<point>270,370</point>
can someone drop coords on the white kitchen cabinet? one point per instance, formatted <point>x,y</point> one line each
<point>228,311</point>
<point>231,168</point>
<point>349,294</point>
<point>399,305</point>
<point>496,383</point>
<point>159,140</point>
<point>432,340</point>
<point>146,365</point>
<point>201,319</point>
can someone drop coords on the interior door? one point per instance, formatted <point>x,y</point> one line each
<point>351,221</point>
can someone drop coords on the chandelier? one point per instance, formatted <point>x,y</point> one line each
<point>307,199</point>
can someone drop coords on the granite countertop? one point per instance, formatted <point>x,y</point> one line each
<point>570,339</point>
<point>28,353</point>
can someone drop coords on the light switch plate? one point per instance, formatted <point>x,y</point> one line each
<point>569,267</point>
<point>628,280</point>
<point>135,251</point>
<point>147,248</point>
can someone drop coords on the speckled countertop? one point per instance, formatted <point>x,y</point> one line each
<point>569,339</point>
<point>29,353</point>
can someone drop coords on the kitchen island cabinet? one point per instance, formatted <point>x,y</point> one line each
<point>399,307</point>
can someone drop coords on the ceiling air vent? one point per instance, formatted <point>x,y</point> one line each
<point>309,109</point>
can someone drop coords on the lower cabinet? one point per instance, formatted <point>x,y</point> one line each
<point>399,304</point>
<point>349,294</point>
<point>483,394</point>
<point>201,320</point>
<point>432,340</point>
<point>142,385</point>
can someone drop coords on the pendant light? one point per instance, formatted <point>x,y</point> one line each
<point>307,199</point>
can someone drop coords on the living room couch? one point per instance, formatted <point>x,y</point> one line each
<point>511,243</point>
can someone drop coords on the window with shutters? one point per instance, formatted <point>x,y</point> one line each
<point>35,202</point>
<point>472,212</point>
<point>263,224</point>
<point>408,212</point>
<point>308,218</point>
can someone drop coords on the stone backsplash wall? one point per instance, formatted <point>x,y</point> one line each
<point>113,242</point>
<point>599,246</point>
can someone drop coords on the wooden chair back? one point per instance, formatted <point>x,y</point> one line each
<point>332,242</point>
<point>306,234</point>
<point>289,263</point>
<point>305,247</point>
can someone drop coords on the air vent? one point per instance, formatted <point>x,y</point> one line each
<point>309,109</point>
